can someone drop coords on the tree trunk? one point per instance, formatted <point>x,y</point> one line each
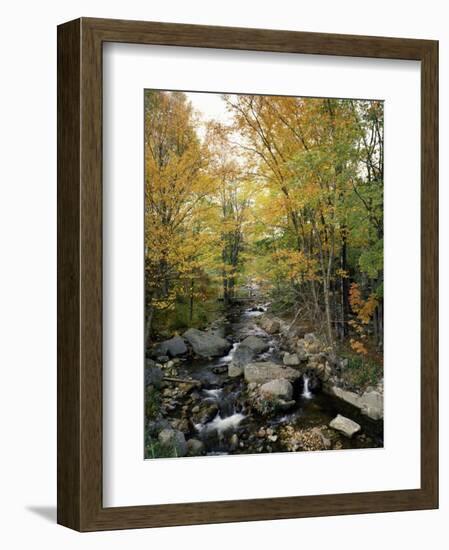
<point>344,286</point>
<point>148,323</point>
<point>316,305</point>
<point>225,288</point>
<point>380,325</point>
<point>327,306</point>
<point>192,284</point>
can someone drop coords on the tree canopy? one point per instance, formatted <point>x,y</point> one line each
<point>288,196</point>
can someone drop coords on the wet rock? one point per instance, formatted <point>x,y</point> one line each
<point>220,369</point>
<point>173,347</point>
<point>283,405</point>
<point>345,425</point>
<point>279,388</point>
<point>206,413</point>
<point>210,438</point>
<point>173,440</point>
<point>227,406</point>
<point>153,376</point>
<point>255,344</point>
<point>206,344</point>
<point>259,373</point>
<point>195,447</point>
<point>291,359</point>
<point>242,355</point>
<point>235,371</point>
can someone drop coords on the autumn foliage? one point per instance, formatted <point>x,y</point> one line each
<point>288,195</point>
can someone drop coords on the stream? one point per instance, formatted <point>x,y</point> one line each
<point>235,429</point>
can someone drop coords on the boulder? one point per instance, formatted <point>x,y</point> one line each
<point>195,447</point>
<point>255,344</point>
<point>235,370</point>
<point>220,369</point>
<point>323,371</point>
<point>280,388</point>
<point>370,403</point>
<point>173,440</point>
<point>259,373</point>
<point>206,344</point>
<point>271,398</point>
<point>300,350</point>
<point>272,326</point>
<point>217,331</point>
<point>345,425</point>
<point>348,396</point>
<point>291,359</point>
<point>173,347</point>
<point>242,355</point>
<point>153,376</point>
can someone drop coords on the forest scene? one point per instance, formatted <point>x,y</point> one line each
<point>263,274</point>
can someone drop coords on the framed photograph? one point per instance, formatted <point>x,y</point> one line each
<point>247,274</point>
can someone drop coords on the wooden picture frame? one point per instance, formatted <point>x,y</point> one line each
<point>80,504</point>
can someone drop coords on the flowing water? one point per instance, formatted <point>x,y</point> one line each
<point>306,393</point>
<point>233,429</point>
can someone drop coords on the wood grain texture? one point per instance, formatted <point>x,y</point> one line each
<point>429,271</point>
<point>69,408</point>
<point>80,274</point>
